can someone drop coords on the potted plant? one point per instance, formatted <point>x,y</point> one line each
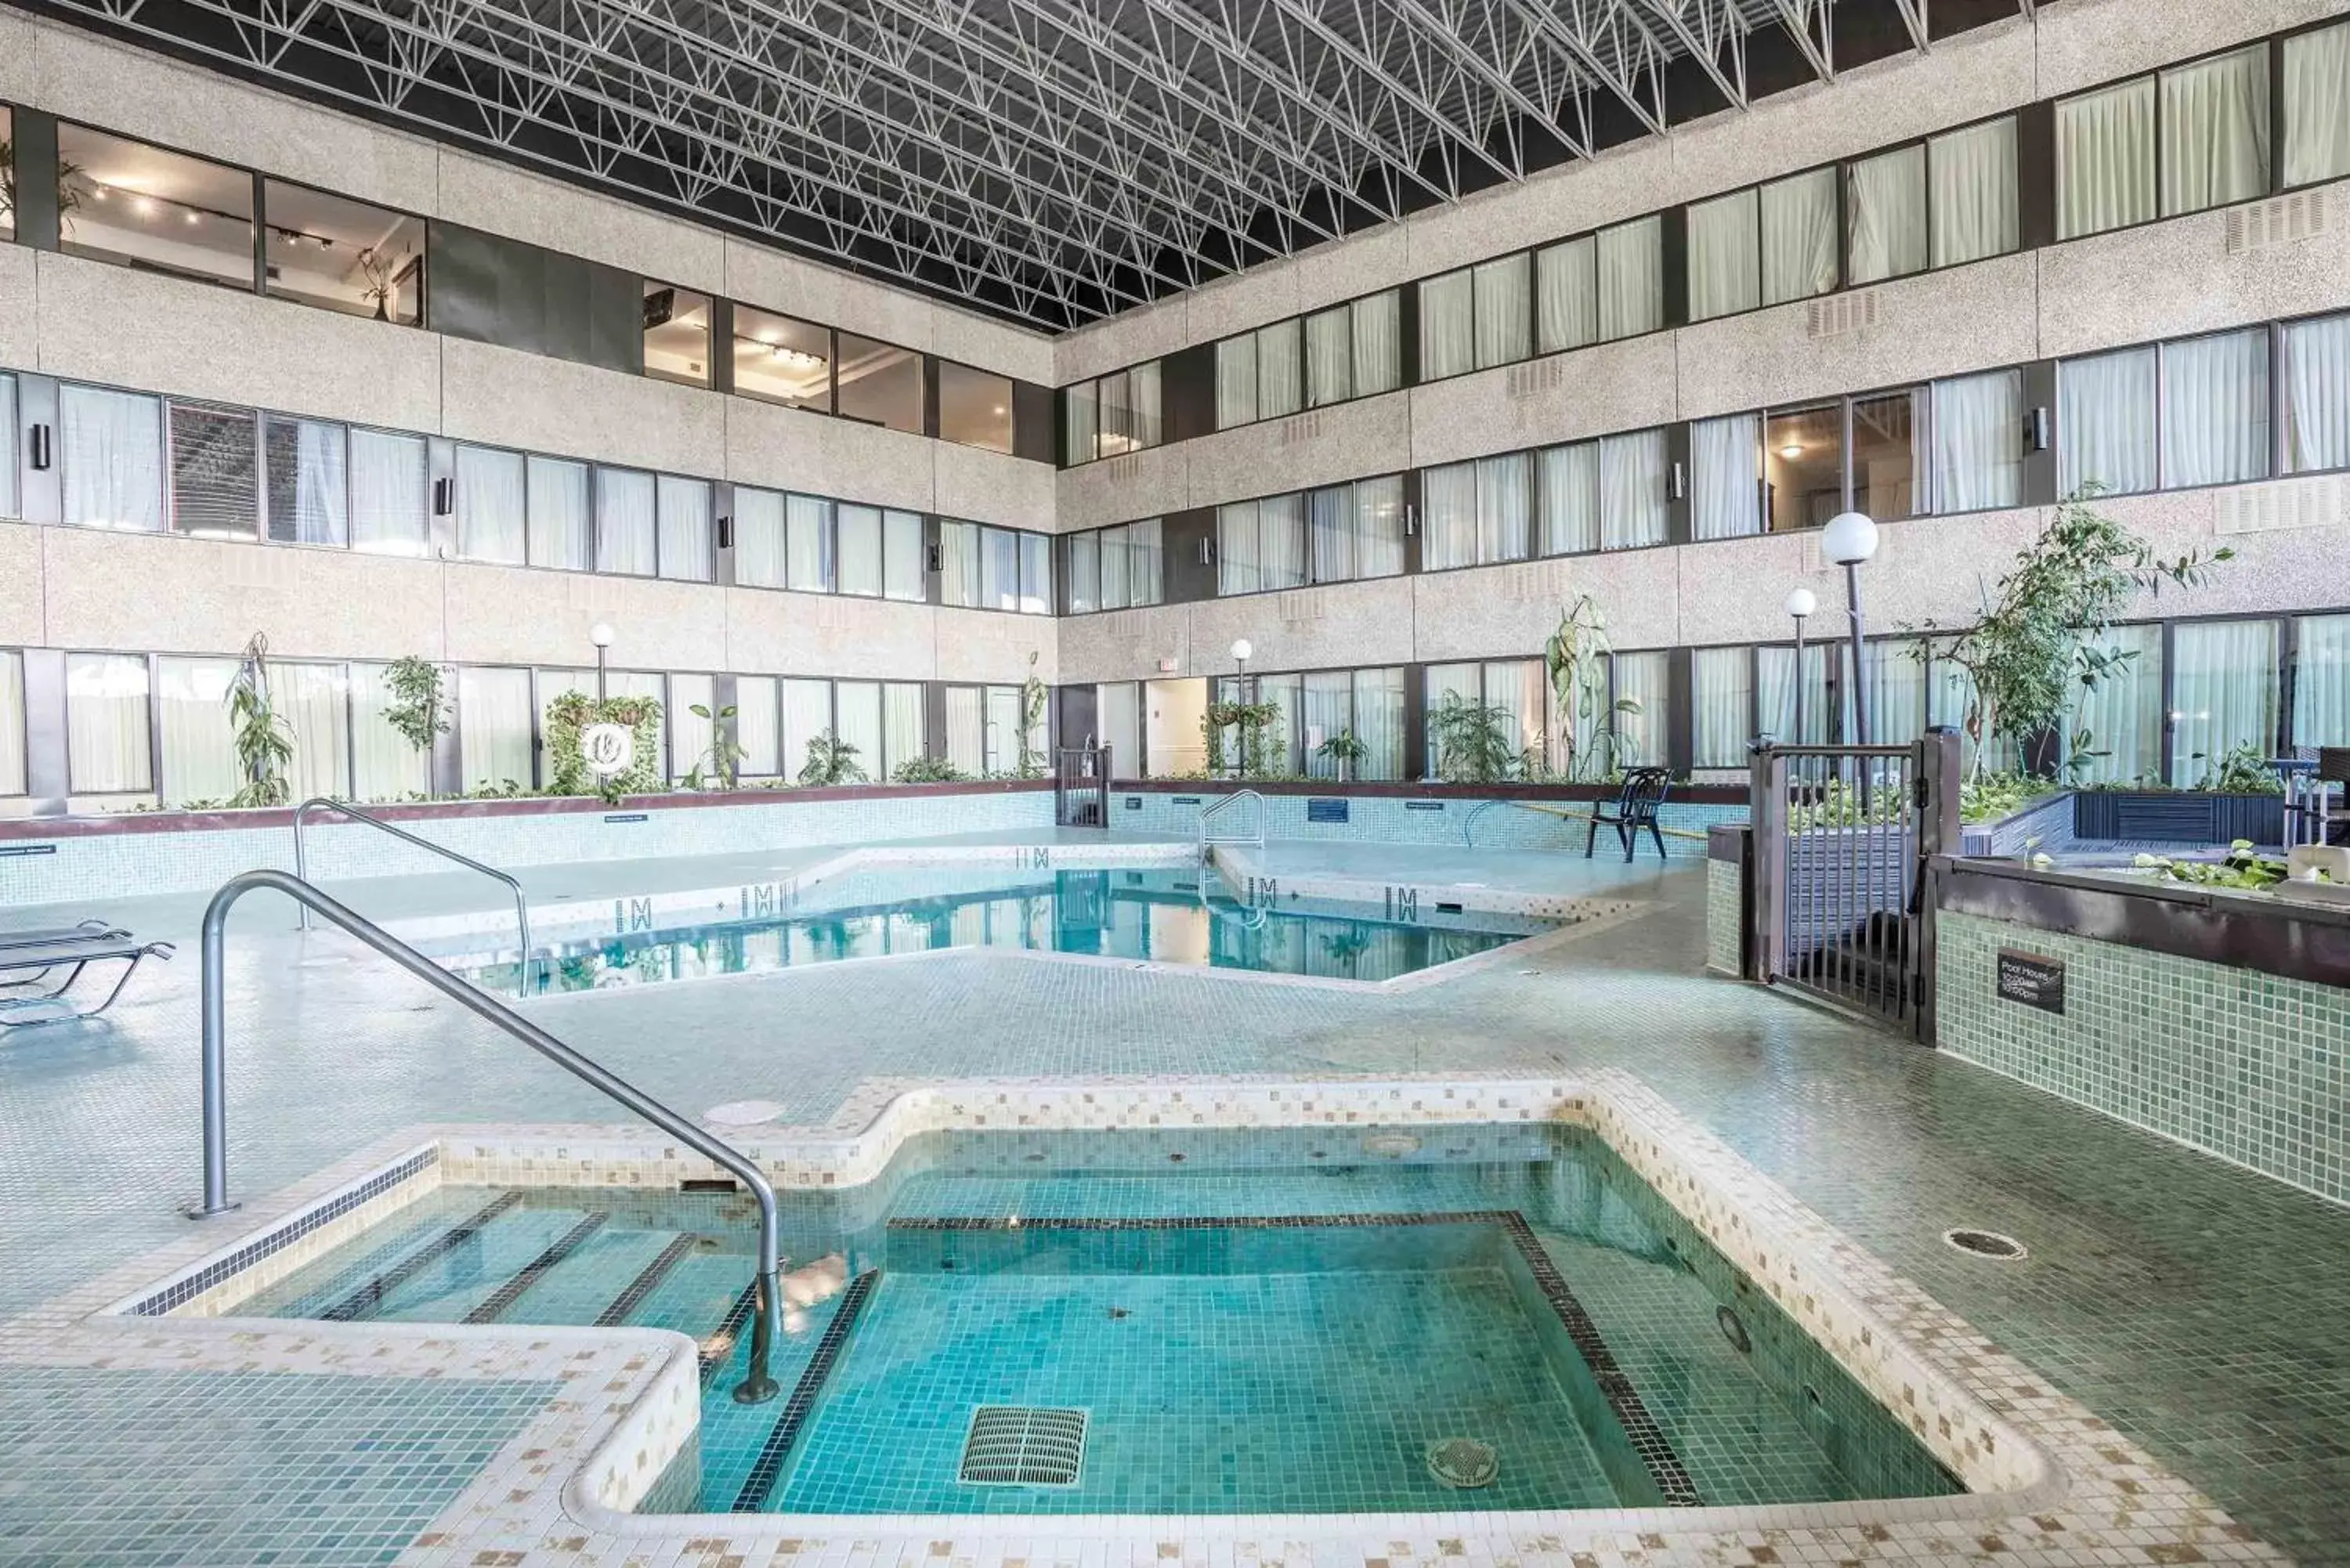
<point>1475,743</point>
<point>1346,751</point>
<point>1576,658</point>
<point>724,757</point>
<point>830,761</point>
<point>263,741</point>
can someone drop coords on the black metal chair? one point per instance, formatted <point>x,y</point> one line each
<point>1636,808</point>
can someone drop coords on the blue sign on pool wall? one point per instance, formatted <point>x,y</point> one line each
<point>1317,810</point>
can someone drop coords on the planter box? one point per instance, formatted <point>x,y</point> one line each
<point>2178,816</point>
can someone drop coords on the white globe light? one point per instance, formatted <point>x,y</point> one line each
<point>601,634</point>
<point>1242,651</point>
<point>1849,538</point>
<point>1801,603</point>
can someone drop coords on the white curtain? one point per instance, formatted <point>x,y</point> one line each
<point>1632,504</point>
<point>809,557</point>
<point>562,530</point>
<point>2317,105</point>
<point>1280,369</point>
<point>1567,295</point>
<point>1084,570</point>
<point>901,556</point>
<point>966,729</point>
<point>807,713</point>
<point>1378,505</point>
<point>1003,729</point>
<point>1503,299</point>
<point>2104,159</point>
<point>1330,357</point>
<point>2215,408</point>
<point>1978,441</point>
<point>687,544</point>
<point>2223,692</point>
<point>1378,340</point>
<point>1505,508</point>
<point>309,486</point>
<point>1236,381</point>
<point>857,716</point>
<point>1078,414</point>
<point>1448,335</point>
<point>2321,683</point>
<point>1116,562</point>
<point>495,726</point>
<point>999,570</point>
<point>1117,413</point>
<point>1722,694</point>
<point>1631,279</point>
<point>110,447</point>
<point>1799,236</point>
<point>12,722</point>
<point>199,751</point>
<point>1724,265</point>
<point>755,731</point>
<point>2105,420</point>
<point>1642,681</point>
<point>901,724</point>
<point>959,563</point>
<point>758,538</point>
<point>1439,681</point>
<point>493,503</point>
<point>2123,713</point>
<point>1774,674</point>
<point>107,743</point>
<point>692,738</point>
<point>859,532</point>
<point>1448,499</point>
<point>1569,481</point>
<point>1519,688</point>
<point>388,503</point>
<point>1324,707</point>
<point>1973,197</point>
<point>2317,394</point>
<point>1887,217</point>
<point>316,702</point>
<point>627,513</point>
<point>10,506</point>
<point>1378,723</point>
<point>2215,131</point>
<point>1143,403</point>
<point>1035,574</point>
<point>1725,477</point>
<point>384,765</point>
<point>1145,576</point>
<point>1895,679</point>
<point>1330,532</point>
<point>1281,542</point>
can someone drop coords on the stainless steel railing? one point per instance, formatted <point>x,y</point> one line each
<point>758,1385</point>
<point>324,803</point>
<point>1213,806</point>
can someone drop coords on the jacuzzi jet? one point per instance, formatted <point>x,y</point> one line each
<point>1463,1463</point>
<point>1391,1146</point>
<point>1986,1245</point>
<point>1732,1330</point>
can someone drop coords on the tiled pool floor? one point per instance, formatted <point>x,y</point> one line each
<point>2197,1308</point>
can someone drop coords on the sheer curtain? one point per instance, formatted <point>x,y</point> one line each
<point>309,485</point>
<point>999,570</point>
<point>1116,568</point>
<point>858,530</point>
<point>1084,571</point>
<point>1330,357</point>
<point>1978,441</point>
<point>2321,684</point>
<point>316,700</point>
<point>1035,574</point>
<point>1145,578</point>
<point>1774,675</point>
<point>1566,290</point>
<point>1632,490</point>
<point>1724,266</point>
<point>959,563</point>
<point>1726,477</point>
<point>199,752</point>
<point>807,713</point>
<point>1972,193</point>
<point>106,745</point>
<point>755,731</point>
<point>1504,298</point>
<point>2317,394</point>
<point>1721,696</point>
<point>1448,499</point>
<point>966,729</point>
<point>1439,682</point>
<point>1378,723</point>
<point>901,724</point>
<point>1641,680</point>
<point>1281,542</point>
<point>901,556</point>
<point>1448,337</point>
<point>1569,477</point>
<point>1379,338</point>
<point>1325,708</point>
<point>1330,530</point>
<point>562,534</point>
<point>2223,692</point>
<point>492,503</point>
<point>110,447</point>
<point>1280,369</point>
<point>2123,712</point>
<point>758,537</point>
<point>686,544</point>
<point>692,738</point>
<point>384,765</point>
<point>1236,381</point>
<point>808,558</point>
<point>627,521</point>
<point>1799,236</point>
<point>495,726</point>
<point>1632,278</point>
<point>2215,131</point>
<point>1887,219</point>
<point>1078,414</point>
<point>2317,105</point>
<point>388,505</point>
<point>2104,159</point>
<point>2105,420</point>
<point>857,720</point>
<point>1237,571</point>
<point>1142,393</point>
<point>2215,408</point>
<point>1379,526</point>
<point>1895,679</point>
<point>1505,508</point>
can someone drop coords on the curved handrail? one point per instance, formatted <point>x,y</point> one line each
<point>759,1384</point>
<point>327,802</point>
<point>1234,798</point>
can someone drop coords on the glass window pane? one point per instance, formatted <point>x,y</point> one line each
<point>1442,680</point>
<point>758,538</point>
<point>1077,426</point>
<point>2104,421</point>
<point>1505,303</point>
<point>807,713</point>
<point>107,742</point>
<point>110,447</point>
<point>1569,481</point>
<point>1517,689</point>
<point>495,726</point>
<point>901,556</point>
<point>1632,503</point>
<point>858,533</point>
<point>343,255</point>
<point>1885,455</point>
<point>1280,369</point>
<point>1726,468</point>
<point>562,525</point>
<point>493,500</point>
<point>1325,704</point>
<point>1115,394</point>
<point>809,560</point>
<point>1799,236</point>
<point>1379,526</point>
<point>2215,131</point>
<point>1974,198</point>
<point>1145,571</point>
<point>966,748</point>
<point>2317,394</point>
<point>1448,339</point>
<point>692,738</point>
<point>2317,105</point>
<point>880,384</point>
<point>387,499</point>
<point>1035,574</point>
<point>215,478</point>
<point>310,492</point>
<point>2320,682</point>
<point>1977,430</point>
<point>1631,279</point>
<point>1003,729</point>
<point>1378,723</point>
<point>1886,216</point>
<point>1237,571</point>
<point>1330,357</point>
<point>858,713</point>
<point>1378,344</point>
<point>627,521</point>
<point>2223,694</point>
<point>974,408</point>
<point>1505,508</point>
<point>1567,295</point>
<point>677,335</point>
<point>384,765</point>
<point>1448,501</point>
<point>1084,578</point>
<point>686,544</point>
<point>999,570</point>
<point>1721,697</point>
<point>1725,270</point>
<point>902,726</point>
<point>1895,677</point>
<point>2215,408</point>
<point>199,752</point>
<point>756,730</point>
<point>2122,714</point>
<point>1802,467</point>
<point>1774,692</point>
<point>2104,159</point>
<point>1143,412</point>
<point>783,360</point>
<point>10,506</point>
<point>1236,381</point>
<point>1281,542</point>
<point>959,563</point>
<point>166,212</point>
<point>314,701</point>
<point>1642,717</point>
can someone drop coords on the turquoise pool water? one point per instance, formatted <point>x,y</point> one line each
<point>1155,916</point>
<point>1273,1322</point>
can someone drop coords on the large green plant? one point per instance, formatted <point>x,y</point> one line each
<point>830,761</point>
<point>1250,721</point>
<point>419,709</point>
<point>1476,742</point>
<point>263,739</point>
<point>1033,694</point>
<point>568,716</point>
<point>1345,750</point>
<point>724,756</point>
<point>2037,649</point>
<point>1575,657</point>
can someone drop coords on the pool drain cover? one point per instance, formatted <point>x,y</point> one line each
<point>1022,1444</point>
<point>1986,1245</point>
<point>1464,1462</point>
<point>1732,1330</point>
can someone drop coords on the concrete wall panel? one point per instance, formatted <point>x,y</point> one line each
<point>506,398</point>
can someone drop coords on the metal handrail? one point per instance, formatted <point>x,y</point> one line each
<point>325,803</point>
<point>759,1384</point>
<point>1237,796</point>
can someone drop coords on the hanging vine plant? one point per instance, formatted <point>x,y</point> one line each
<point>570,714</point>
<point>1252,720</point>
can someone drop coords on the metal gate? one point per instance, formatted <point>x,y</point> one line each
<point>1081,786</point>
<point>1844,837</point>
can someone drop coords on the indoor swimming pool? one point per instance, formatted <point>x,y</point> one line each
<point>1330,1320</point>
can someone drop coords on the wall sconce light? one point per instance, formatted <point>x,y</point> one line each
<point>2035,430</point>
<point>41,454</point>
<point>1677,481</point>
<point>444,497</point>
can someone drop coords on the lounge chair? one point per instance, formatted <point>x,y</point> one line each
<point>27,959</point>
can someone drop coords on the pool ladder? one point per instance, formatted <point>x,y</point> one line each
<point>1208,815</point>
<point>327,803</point>
<point>759,1384</point>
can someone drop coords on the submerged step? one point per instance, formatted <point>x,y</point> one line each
<point>506,1294</point>
<point>370,1297</point>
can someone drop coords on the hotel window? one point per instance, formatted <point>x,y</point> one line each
<point>341,255</point>
<point>1476,318</point>
<point>2321,683</point>
<point>165,212</point>
<point>1357,530</point>
<point>1947,199</point>
<point>857,535</point>
<point>562,521</point>
<point>1112,415</point>
<point>314,701</point>
<point>1260,375</point>
<point>755,731</point>
<point>904,725</point>
<point>496,731</point>
<point>1378,721</point>
<point>2317,105</point>
<point>808,714</point>
<point>198,761</point>
<point>2190,412</point>
<point>1799,236</point>
<point>1725,477</point>
<point>984,568</point>
<point>2189,138</point>
<point>1378,343</point>
<point>1802,467</point>
<point>108,749</point>
<point>2317,394</point>
<point>1352,350</point>
<point>628,522</point>
<point>384,767</point>
<point>691,737</point>
<point>11,506</point>
<point>1978,441</point>
<point>1115,568</point>
<point>2223,693</point>
<point>1118,726</point>
<point>1721,706</point>
<point>1775,690</point>
<point>308,485</point>
<point>974,408</point>
<point>966,731</point>
<point>111,449</point>
<point>2122,714</point>
<point>1515,687</point>
<point>901,556</point>
<point>214,462</point>
<point>686,545</point>
<point>492,505</point>
<point>810,561</point>
<point>1478,513</point>
<point>1261,544</point>
<point>1601,286</point>
<point>1642,681</point>
<point>879,383</point>
<point>857,721</point>
<point>12,709</point>
<point>759,553</point>
<point>677,335</point>
<point>1884,461</point>
<point>1724,251</point>
<point>778,359</point>
<point>1896,675</point>
<point>387,494</point>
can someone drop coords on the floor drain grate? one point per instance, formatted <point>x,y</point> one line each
<point>1021,1445</point>
<point>1986,1245</point>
